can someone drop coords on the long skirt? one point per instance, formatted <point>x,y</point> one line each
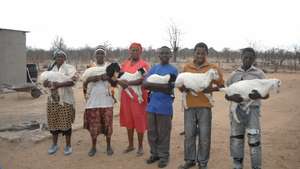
<point>98,121</point>
<point>60,117</point>
<point>132,113</point>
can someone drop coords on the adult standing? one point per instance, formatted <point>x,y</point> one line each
<point>198,115</point>
<point>250,121</point>
<point>160,110</point>
<point>61,103</point>
<point>98,115</point>
<point>132,113</point>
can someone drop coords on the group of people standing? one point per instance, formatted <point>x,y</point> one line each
<point>154,114</point>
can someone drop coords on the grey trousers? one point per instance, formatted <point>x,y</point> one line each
<point>249,125</point>
<point>159,132</point>
<point>197,120</point>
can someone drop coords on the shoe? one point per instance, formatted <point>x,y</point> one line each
<point>187,165</point>
<point>162,163</point>
<point>109,151</point>
<point>237,163</point>
<point>203,166</point>
<point>92,152</point>
<point>128,149</point>
<point>53,149</point>
<point>140,152</point>
<point>68,150</point>
<point>152,159</point>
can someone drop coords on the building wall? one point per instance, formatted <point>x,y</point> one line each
<point>12,57</point>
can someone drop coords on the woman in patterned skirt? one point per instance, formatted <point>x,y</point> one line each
<point>98,115</point>
<point>60,105</point>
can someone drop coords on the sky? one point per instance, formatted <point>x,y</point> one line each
<point>233,24</point>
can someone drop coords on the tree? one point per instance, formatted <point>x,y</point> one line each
<point>226,54</point>
<point>58,43</point>
<point>296,57</point>
<point>174,39</point>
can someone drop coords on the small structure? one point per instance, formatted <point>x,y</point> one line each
<point>13,68</point>
<point>12,57</point>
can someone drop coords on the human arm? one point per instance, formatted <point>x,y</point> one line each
<point>164,88</point>
<point>255,95</point>
<point>216,84</point>
<point>235,98</point>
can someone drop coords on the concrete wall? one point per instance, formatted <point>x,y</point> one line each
<point>12,57</point>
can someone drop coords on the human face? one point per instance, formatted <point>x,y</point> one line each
<point>248,59</point>
<point>200,55</point>
<point>164,55</point>
<point>100,56</point>
<point>134,53</point>
<point>59,59</point>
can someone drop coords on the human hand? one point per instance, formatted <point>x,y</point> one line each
<point>168,90</point>
<point>94,79</point>
<point>75,77</point>
<point>123,83</point>
<point>55,85</point>
<point>183,89</point>
<point>207,90</point>
<point>235,98</point>
<point>255,95</point>
<point>104,77</point>
<point>47,83</point>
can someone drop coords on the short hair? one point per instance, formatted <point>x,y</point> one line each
<point>201,45</point>
<point>165,47</point>
<point>250,50</point>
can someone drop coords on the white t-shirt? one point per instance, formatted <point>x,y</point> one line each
<point>100,96</point>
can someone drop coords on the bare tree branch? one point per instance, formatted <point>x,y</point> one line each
<point>174,39</point>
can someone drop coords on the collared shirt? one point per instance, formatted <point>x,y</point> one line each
<point>201,100</point>
<point>66,95</point>
<point>161,103</point>
<point>100,95</point>
<point>240,74</point>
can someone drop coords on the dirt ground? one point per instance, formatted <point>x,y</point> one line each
<point>280,135</point>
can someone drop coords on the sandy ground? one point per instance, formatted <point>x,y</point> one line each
<point>280,135</point>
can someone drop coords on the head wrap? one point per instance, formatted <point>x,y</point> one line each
<point>59,52</point>
<point>100,48</point>
<point>138,46</point>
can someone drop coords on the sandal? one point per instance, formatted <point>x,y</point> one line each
<point>128,149</point>
<point>92,152</point>
<point>109,151</point>
<point>140,152</point>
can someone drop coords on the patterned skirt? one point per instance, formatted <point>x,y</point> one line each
<point>60,117</point>
<point>98,121</point>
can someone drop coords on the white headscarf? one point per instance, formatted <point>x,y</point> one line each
<point>100,48</point>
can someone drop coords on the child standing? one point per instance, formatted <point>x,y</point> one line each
<point>160,110</point>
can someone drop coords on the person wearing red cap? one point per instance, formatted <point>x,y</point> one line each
<point>132,113</point>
